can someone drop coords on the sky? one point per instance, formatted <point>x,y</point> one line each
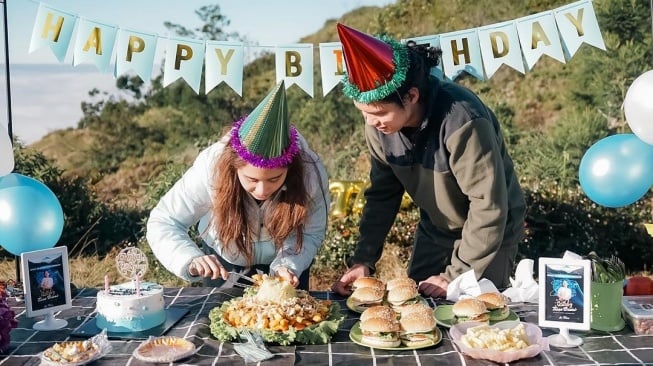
<point>46,98</point>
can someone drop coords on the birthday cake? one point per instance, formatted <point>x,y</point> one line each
<point>123,310</point>
<point>132,306</point>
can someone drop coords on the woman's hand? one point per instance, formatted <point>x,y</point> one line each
<point>434,286</point>
<point>207,266</point>
<point>287,275</point>
<point>343,285</point>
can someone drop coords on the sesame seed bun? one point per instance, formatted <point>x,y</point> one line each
<point>399,295</point>
<point>470,309</point>
<point>417,323</point>
<point>365,297</point>
<point>420,307</point>
<point>367,282</point>
<point>493,300</point>
<point>380,325</point>
<point>378,312</point>
<point>396,282</point>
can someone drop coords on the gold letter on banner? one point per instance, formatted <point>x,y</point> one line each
<point>293,59</point>
<point>494,37</point>
<point>224,60</point>
<point>456,52</point>
<point>94,40</point>
<point>48,26</point>
<point>183,53</point>
<point>577,22</point>
<point>539,35</point>
<point>135,44</point>
<point>339,69</point>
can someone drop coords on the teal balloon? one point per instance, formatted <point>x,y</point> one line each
<point>31,217</point>
<point>617,170</point>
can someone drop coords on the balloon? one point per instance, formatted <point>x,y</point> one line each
<point>31,217</point>
<point>616,171</point>
<point>638,107</point>
<point>6,153</point>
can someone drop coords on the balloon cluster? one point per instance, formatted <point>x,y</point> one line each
<point>618,170</point>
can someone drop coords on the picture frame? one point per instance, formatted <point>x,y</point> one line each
<point>564,293</point>
<point>46,281</point>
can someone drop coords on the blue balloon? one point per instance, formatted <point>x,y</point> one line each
<point>617,170</point>
<point>31,217</point>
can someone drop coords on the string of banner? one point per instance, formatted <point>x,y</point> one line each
<point>480,52</point>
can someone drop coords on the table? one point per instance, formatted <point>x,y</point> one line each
<point>622,347</point>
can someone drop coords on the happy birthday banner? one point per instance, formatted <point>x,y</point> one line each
<point>518,43</point>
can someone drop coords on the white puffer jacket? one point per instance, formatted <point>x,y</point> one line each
<point>189,202</point>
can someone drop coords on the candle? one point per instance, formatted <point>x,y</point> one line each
<point>138,285</point>
<point>106,284</point>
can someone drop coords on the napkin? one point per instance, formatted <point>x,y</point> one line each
<point>466,285</point>
<point>523,288</point>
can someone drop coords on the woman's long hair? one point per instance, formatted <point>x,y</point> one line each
<point>284,215</point>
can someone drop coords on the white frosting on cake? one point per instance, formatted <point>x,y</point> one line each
<point>121,310</point>
<point>275,290</point>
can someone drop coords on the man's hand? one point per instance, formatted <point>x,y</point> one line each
<point>207,266</point>
<point>343,285</point>
<point>288,275</point>
<point>434,286</point>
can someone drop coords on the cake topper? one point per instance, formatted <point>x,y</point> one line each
<point>132,263</point>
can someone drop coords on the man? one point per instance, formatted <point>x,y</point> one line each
<point>442,145</point>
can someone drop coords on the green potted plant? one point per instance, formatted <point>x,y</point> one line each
<point>608,275</point>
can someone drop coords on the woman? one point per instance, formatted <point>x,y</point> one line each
<point>260,196</point>
<point>441,144</point>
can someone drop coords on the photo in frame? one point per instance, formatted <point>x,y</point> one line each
<point>46,277</point>
<point>564,298</point>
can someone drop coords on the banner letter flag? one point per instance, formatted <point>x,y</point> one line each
<point>332,65</point>
<point>52,28</point>
<point>135,51</point>
<point>94,43</point>
<point>224,62</point>
<point>429,41</point>
<point>461,52</point>
<point>577,24</point>
<point>294,64</point>
<point>184,59</point>
<point>500,45</point>
<point>538,35</point>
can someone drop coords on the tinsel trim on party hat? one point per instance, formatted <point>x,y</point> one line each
<point>400,60</point>
<point>260,161</point>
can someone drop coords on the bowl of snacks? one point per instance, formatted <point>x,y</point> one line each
<point>502,342</point>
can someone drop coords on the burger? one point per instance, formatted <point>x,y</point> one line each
<point>497,305</point>
<point>380,332</point>
<point>378,312</point>
<point>470,310</point>
<point>403,295</point>
<point>365,297</point>
<point>367,282</point>
<point>419,307</point>
<point>401,281</point>
<point>417,329</point>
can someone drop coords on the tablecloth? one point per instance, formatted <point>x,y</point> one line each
<point>599,348</point>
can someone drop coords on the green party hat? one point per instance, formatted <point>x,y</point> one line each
<point>265,137</point>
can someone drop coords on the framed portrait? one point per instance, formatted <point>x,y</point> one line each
<point>564,298</point>
<point>46,280</point>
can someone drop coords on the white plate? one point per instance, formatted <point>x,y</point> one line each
<point>164,349</point>
<point>534,334</point>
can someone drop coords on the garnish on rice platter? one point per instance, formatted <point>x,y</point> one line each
<point>278,312</point>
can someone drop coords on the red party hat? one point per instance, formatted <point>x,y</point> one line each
<point>376,67</point>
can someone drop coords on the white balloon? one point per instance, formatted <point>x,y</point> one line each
<point>6,153</point>
<point>638,107</point>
